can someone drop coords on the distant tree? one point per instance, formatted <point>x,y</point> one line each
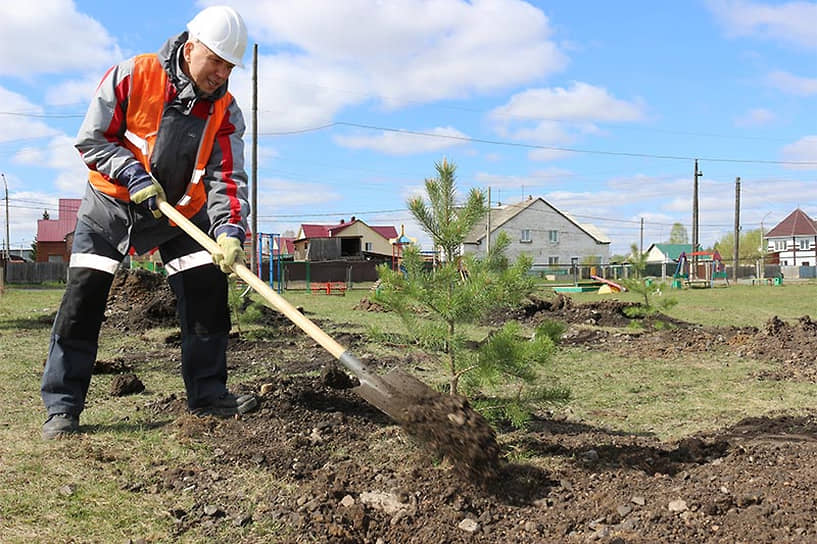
<point>678,234</point>
<point>34,249</point>
<point>637,260</point>
<point>644,287</point>
<point>750,242</point>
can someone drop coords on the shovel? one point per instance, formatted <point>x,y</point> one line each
<point>391,394</point>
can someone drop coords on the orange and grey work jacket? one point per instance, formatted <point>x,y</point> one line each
<point>146,109</point>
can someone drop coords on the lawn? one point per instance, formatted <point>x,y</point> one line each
<point>77,490</point>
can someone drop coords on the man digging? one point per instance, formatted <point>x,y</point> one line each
<point>160,125</point>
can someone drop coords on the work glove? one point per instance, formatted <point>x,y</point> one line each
<point>230,241</point>
<point>142,187</point>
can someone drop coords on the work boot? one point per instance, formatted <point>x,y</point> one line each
<point>60,425</point>
<point>227,405</point>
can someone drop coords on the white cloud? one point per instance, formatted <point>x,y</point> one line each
<point>792,84</point>
<point>788,22</point>
<point>755,117</point>
<point>803,150</point>
<point>556,117</point>
<point>73,92</point>
<point>399,52</point>
<point>20,121</point>
<point>283,194</point>
<point>61,155</point>
<point>580,102</point>
<point>398,143</point>
<point>51,36</point>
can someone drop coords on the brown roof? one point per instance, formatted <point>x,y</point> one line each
<point>797,223</point>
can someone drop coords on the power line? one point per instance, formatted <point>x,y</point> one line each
<point>570,149</point>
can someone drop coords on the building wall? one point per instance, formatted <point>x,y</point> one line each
<point>794,250</point>
<point>52,252</point>
<point>540,219</point>
<point>366,234</point>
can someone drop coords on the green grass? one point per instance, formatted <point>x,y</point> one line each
<point>739,305</point>
<point>669,398</point>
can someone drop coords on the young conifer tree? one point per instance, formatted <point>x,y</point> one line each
<point>435,303</point>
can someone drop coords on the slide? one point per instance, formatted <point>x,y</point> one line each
<point>614,287</point>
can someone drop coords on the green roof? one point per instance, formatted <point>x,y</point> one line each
<point>673,251</point>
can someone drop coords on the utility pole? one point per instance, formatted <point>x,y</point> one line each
<point>737,230</point>
<point>8,242</point>
<point>488,226</point>
<point>254,190</point>
<point>641,247</point>
<point>693,273</point>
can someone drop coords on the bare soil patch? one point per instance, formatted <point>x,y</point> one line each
<point>351,476</point>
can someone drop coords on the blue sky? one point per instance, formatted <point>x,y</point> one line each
<point>599,107</point>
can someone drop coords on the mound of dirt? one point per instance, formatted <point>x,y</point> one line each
<point>603,313</point>
<point>791,346</point>
<point>367,305</point>
<point>140,300</point>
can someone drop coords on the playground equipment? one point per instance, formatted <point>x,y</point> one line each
<point>397,245</point>
<point>713,269</point>
<point>273,245</point>
<point>608,286</point>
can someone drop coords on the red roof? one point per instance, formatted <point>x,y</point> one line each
<point>55,230</point>
<point>329,231</point>
<point>287,244</point>
<point>386,232</point>
<point>796,224</point>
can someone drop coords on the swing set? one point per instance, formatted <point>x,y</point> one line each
<point>709,262</point>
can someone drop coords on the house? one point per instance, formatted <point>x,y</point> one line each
<point>793,241</point>
<point>667,253</point>
<point>548,235</point>
<point>345,240</point>
<point>55,236</point>
<point>662,259</point>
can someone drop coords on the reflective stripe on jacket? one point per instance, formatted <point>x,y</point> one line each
<point>143,118</point>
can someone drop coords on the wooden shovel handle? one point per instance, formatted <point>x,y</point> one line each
<point>277,301</point>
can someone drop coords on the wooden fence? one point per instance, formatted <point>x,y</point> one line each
<point>36,272</point>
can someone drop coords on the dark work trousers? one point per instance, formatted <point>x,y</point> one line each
<point>201,292</point>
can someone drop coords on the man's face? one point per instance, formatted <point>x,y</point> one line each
<point>207,70</point>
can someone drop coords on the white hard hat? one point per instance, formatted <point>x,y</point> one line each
<point>222,30</point>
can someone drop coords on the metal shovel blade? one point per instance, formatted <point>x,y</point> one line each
<point>394,392</point>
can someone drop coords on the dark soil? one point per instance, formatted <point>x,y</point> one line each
<point>351,475</point>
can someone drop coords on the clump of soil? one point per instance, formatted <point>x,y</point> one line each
<point>451,427</point>
<point>140,300</point>
<point>332,376</point>
<point>116,366</point>
<point>126,384</point>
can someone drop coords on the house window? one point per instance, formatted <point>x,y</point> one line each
<point>526,236</point>
<point>779,245</point>
<point>368,246</point>
<point>553,261</point>
<point>553,236</point>
<point>804,244</point>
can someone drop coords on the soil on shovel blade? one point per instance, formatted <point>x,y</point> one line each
<point>341,471</point>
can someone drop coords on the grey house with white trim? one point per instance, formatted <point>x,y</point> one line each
<point>537,228</point>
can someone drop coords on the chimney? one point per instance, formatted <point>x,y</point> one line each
<point>353,219</point>
<point>342,221</point>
